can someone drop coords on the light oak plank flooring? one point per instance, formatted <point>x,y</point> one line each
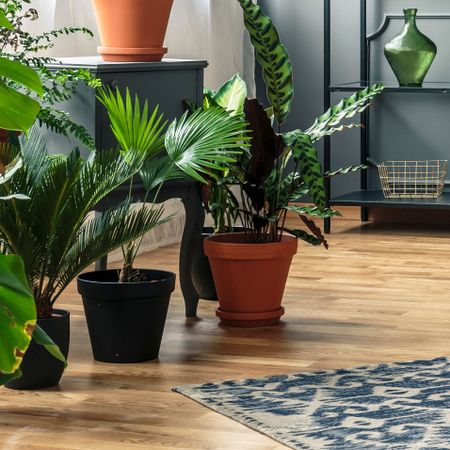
<point>380,294</point>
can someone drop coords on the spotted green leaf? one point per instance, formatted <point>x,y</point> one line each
<point>305,153</point>
<point>330,122</point>
<point>273,57</point>
<point>313,211</point>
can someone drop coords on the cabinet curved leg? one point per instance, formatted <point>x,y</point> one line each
<point>195,218</point>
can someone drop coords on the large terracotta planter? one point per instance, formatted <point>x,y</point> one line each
<point>132,30</point>
<point>249,278</point>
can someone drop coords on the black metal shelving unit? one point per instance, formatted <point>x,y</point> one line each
<point>366,198</point>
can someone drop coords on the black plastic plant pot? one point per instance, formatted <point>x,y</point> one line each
<point>126,320</point>
<point>39,368</point>
<point>202,277</point>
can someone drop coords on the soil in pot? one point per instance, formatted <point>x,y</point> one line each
<point>249,278</point>
<point>39,368</point>
<point>126,320</point>
<point>132,30</point>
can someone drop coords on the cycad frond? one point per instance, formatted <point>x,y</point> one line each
<point>50,231</point>
<point>102,234</point>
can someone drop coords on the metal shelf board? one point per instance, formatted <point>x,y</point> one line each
<point>375,198</point>
<point>430,87</point>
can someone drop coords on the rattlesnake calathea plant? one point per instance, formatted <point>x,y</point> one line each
<point>280,167</point>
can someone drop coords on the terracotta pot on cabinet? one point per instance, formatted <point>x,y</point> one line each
<point>249,278</point>
<point>132,30</point>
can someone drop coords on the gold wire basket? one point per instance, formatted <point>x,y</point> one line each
<point>412,179</point>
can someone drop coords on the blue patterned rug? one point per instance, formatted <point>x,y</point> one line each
<point>388,406</point>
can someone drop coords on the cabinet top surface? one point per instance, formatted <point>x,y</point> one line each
<point>96,63</point>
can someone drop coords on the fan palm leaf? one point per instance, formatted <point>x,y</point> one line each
<point>206,141</point>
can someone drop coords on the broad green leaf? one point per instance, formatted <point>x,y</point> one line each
<point>305,153</point>
<point>231,96</point>
<point>19,73</point>
<point>42,338</point>
<point>17,111</point>
<point>17,313</point>
<point>4,22</point>
<point>273,57</point>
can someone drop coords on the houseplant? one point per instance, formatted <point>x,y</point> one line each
<point>132,30</point>
<point>219,200</point>
<point>17,309</point>
<point>17,44</point>
<point>126,310</point>
<point>52,236</point>
<point>280,168</point>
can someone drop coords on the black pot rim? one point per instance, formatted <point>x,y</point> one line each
<point>89,277</point>
<point>61,314</point>
<point>94,284</point>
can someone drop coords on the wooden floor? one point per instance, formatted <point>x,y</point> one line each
<point>380,294</point>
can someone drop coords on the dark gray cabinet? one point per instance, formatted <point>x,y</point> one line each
<point>166,84</point>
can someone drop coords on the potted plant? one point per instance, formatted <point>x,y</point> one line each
<point>219,200</point>
<point>132,30</point>
<point>126,309</point>
<point>52,235</point>
<point>17,309</point>
<point>250,269</point>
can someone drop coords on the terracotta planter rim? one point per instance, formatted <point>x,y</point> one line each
<point>224,246</point>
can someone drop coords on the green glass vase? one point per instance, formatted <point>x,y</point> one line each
<point>411,53</point>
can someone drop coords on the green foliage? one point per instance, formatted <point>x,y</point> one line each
<point>270,175</point>
<point>42,338</point>
<point>17,314</point>
<point>345,170</point>
<point>197,146</point>
<point>205,142</point>
<point>17,110</point>
<point>230,96</point>
<point>132,128</point>
<point>18,45</point>
<point>51,231</point>
<point>305,155</point>
<point>273,57</point>
<point>330,122</point>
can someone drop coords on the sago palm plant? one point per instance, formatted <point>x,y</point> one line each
<point>51,231</point>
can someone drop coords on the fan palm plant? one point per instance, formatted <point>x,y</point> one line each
<point>199,146</point>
